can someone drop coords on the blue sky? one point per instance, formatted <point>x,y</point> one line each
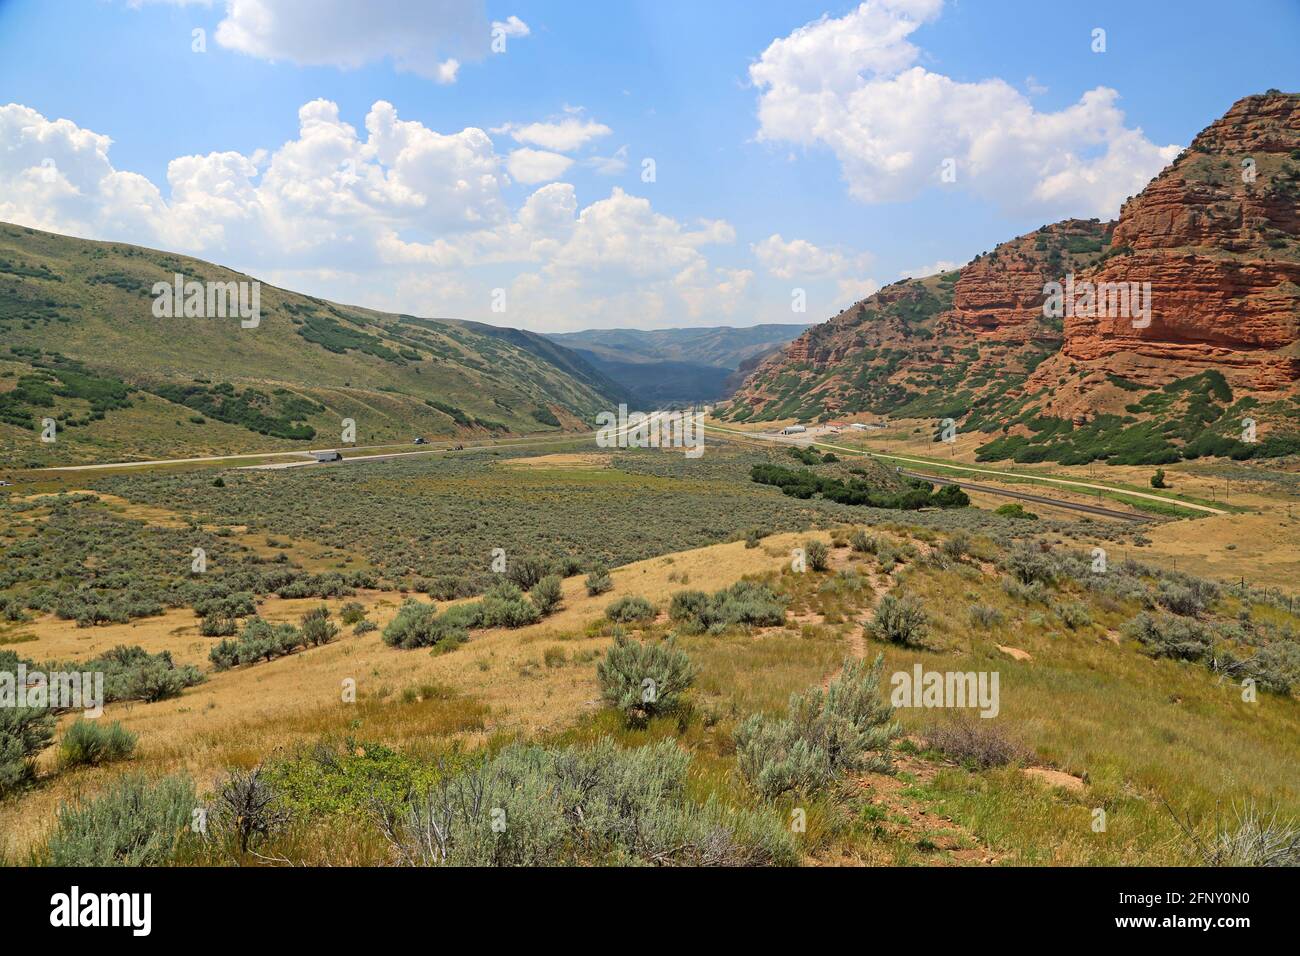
<point>795,145</point>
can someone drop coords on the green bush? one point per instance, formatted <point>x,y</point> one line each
<point>24,732</point>
<point>1171,637</point>
<point>846,728</point>
<point>642,679</point>
<point>136,822</point>
<point>547,594</point>
<point>598,581</point>
<point>597,804</point>
<point>745,602</point>
<point>352,613</point>
<point>900,621</point>
<point>632,609</point>
<point>86,743</point>
<point>817,554</point>
<point>1015,511</point>
<point>504,605</point>
<point>420,625</point>
<point>316,628</point>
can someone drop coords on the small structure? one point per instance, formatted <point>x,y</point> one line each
<point>793,430</point>
<point>323,456</point>
<point>859,426</point>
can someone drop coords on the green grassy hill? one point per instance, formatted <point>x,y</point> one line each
<point>81,345</point>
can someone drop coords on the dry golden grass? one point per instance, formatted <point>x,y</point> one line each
<point>502,681</point>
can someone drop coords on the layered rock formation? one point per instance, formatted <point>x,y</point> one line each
<point>1216,234</point>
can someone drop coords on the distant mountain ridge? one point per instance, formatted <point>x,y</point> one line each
<point>678,365</point>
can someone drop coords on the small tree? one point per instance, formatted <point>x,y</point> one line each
<point>1158,479</point>
<point>643,680</point>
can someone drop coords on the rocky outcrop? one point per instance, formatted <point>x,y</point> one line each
<point>1215,235</point>
<point>1000,295</point>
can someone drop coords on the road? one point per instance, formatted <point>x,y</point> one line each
<point>795,440</point>
<point>965,485</point>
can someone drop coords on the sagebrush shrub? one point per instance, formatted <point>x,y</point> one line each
<point>862,542</point>
<point>598,581</point>
<point>632,609</point>
<point>644,679</point>
<point>978,743</point>
<point>316,628</point>
<point>24,733</point>
<point>985,616</point>
<point>817,553</point>
<point>600,803</point>
<point>504,605</point>
<point>1174,637</point>
<point>418,624</point>
<point>87,743</point>
<point>136,822</point>
<point>847,727</point>
<point>1031,565</point>
<point>745,602</point>
<point>547,594</point>
<point>900,621</point>
<point>527,570</point>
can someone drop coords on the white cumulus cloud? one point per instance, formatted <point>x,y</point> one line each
<point>537,165</point>
<point>853,84</point>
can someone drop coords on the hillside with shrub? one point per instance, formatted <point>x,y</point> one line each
<point>82,346</point>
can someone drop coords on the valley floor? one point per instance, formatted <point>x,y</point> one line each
<point>1090,720</point>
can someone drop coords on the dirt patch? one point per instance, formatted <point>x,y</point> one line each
<point>1056,778</point>
<point>906,819</point>
<point>560,460</point>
